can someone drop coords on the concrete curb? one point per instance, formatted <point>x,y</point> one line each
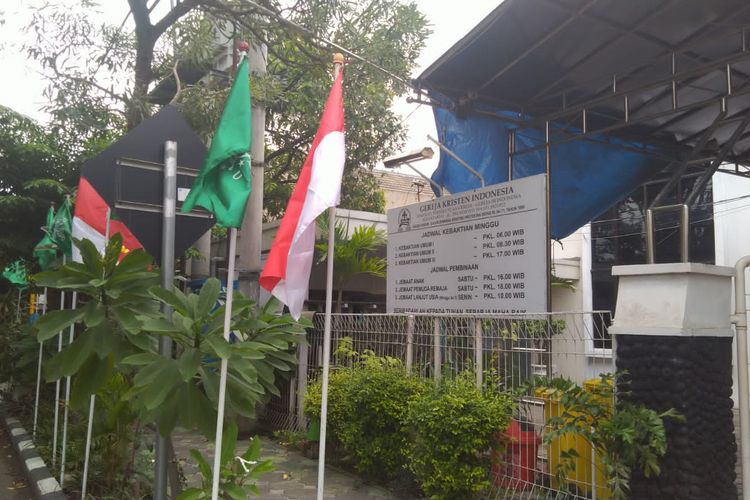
<point>40,479</point>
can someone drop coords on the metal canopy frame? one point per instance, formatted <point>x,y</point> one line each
<point>681,93</point>
<point>649,102</point>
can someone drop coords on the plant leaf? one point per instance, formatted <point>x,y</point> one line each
<point>209,294</point>
<point>53,322</point>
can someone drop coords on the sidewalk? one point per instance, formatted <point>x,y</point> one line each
<point>295,477</point>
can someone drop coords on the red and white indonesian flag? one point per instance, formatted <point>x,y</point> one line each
<point>90,221</point>
<point>287,271</point>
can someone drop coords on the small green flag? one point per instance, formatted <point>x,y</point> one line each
<point>223,184</point>
<point>46,251</point>
<point>16,273</point>
<point>60,231</point>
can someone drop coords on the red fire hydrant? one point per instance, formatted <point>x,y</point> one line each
<point>516,467</point>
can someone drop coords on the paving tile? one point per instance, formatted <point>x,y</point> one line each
<point>295,477</point>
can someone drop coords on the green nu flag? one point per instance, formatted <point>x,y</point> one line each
<point>223,184</point>
<point>60,231</point>
<point>16,273</point>
<point>45,251</point>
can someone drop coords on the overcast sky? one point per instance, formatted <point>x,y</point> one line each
<point>21,87</point>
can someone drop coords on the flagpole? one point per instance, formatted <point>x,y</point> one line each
<point>338,60</point>
<point>57,383</point>
<point>18,307</point>
<point>92,401</point>
<point>223,376</point>
<point>39,372</point>
<point>67,400</point>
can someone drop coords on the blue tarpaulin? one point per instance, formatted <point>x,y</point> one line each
<point>587,177</point>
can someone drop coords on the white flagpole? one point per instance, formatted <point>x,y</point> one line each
<point>39,370</point>
<point>92,401</point>
<point>57,384</point>
<point>67,401</point>
<point>337,62</point>
<point>223,376</point>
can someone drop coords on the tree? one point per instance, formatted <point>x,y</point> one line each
<point>105,77</point>
<point>34,172</point>
<point>352,255</point>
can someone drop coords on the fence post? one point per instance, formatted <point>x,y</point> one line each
<point>302,353</point>
<point>409,343</point>
<point>436,350</point>
<point>478,362</point>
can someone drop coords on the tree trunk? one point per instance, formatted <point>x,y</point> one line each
<point>144,55</point>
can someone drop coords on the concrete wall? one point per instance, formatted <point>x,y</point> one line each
<point>574,355</point>
<point>732,230</point>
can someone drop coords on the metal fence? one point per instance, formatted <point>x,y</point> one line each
<point>503,352</point>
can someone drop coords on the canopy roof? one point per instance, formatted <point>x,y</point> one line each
<point>582,63</point>
<point>604,93</point>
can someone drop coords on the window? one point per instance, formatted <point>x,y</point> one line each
<point>618,238</point>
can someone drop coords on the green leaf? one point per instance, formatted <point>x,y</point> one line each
<point>64,278</point>
<point>209,294</point>
<point>234,491</point>
<point>127,319</point>
<point>203,466</point>
<point>189,363</point>
<point>220,346</point>
<point>191,494</point>
<point>53,322</point>
<point>105,340</point>
<point>253,451</point>
<point>228,443</point>
<point>197,410</point>
<point>95,313</point>
<point>168,379</point>
<point>156,324</point>
<point>168,413</point>
<point>262,468</point>
<point>135,260</point>
<point>70,360</point>
<point>144,358</point>
<point>92,375</point>
<point>90,255</point>
<point>172,299</point>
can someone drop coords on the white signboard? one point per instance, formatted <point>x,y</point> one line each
<point>478,252</point>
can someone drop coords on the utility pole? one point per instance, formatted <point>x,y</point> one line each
<point>251,232</point>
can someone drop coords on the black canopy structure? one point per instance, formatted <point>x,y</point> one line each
<point>670,78</point>
<point>651,70</point>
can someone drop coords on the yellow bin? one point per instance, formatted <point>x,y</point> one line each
<point>580,476</point>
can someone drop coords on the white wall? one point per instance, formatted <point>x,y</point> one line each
<point>732,229</point>
<point>574,355</point>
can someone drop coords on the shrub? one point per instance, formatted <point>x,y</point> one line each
<point>378,435</point>
<point>628,437</point>
<point>339,409</point>
<point>368,410</point>
<point>454,425</point>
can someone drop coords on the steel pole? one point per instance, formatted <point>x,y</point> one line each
<point>167,279</point>
<point>685,233</point>
<point>649,236</point>
<point>740,321</point>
